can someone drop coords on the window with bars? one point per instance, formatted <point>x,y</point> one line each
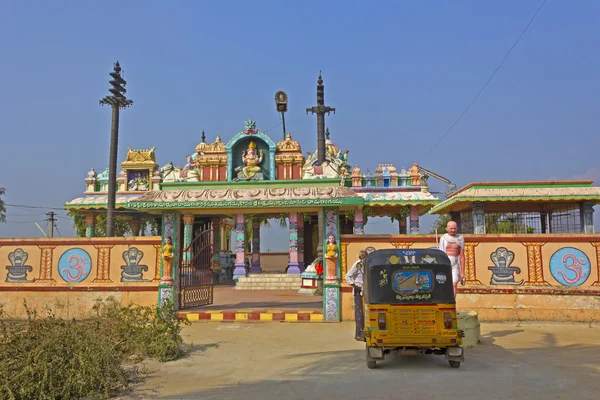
<point>566,219</point>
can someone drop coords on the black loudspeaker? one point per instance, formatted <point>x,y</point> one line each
<point>281,100</point>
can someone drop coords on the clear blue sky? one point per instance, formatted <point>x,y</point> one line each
<point>398,72</point>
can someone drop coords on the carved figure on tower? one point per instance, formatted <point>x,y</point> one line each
<point>251,169</point>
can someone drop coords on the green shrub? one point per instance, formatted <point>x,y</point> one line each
<point>53,358</point>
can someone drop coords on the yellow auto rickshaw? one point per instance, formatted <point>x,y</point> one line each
<point>409,305</point>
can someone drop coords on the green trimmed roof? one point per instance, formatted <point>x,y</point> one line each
<point>519,196</point>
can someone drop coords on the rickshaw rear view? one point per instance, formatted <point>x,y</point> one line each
<point>409,305</point>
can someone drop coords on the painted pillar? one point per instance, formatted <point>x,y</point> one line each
<point>331,233</point>
<point>168,288</point>
<point>293,267</point>
<point>135,225</point>
<point>544,221</point>
<point>587,217</point>
<point>414,220</point>
<point>90,224</point>
<point>320,233</point>
<point>255,264</point>
<point>240,253</point>
<point>358,228</point>
<point>301,265</point>
<point>402,227</point>
<point>478,218</point>
<point>188,234</point>
<point>215,263</point>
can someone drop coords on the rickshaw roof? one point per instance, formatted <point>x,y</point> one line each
<point>425,257</point>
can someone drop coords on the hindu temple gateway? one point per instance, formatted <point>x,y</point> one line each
<point>530,246</point>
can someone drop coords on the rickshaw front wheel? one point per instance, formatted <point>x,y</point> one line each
<point>454,364</point>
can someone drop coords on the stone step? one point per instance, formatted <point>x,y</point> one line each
<point>268,285</point>
<point>290,284</point>
<point>271,275</point>
<point>268,279</point>
<point>267,288</point>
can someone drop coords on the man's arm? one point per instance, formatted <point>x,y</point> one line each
<point>462,263</point>
<point>350,275</point>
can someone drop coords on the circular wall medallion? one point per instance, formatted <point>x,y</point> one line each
<point>570,266</point>
<point>74,265</point>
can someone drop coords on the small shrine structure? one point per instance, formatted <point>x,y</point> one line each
<point>523,207</point>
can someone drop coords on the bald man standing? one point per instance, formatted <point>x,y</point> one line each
<point>453,245</point>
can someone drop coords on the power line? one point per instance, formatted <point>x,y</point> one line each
<point>489,79</point>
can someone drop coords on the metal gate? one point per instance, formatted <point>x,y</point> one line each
<point>196,276</point>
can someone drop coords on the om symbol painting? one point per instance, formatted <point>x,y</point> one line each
<point>74,265</point>
<point>570,266</point>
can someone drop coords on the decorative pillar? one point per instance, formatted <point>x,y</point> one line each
<point>240,253</point>
<point>301,265</point>
<point>46,264</point>
<point>90,224</point>
<point>414,220</point>
<point>331,306</point>
<point>255,264</point>
<point>168,288</point>
<point>103,263</point>
<point>320,234</point>
<point>358,222</point>
<point>535,266</point>
<point>597,247</point>
<point>587,217</point>
<point>157,262</point>
<point>293,268</point>
<point>470,266</point>
<point>135,226</point>
<point>402,226</point>
<point>217,246</point>
<point>478,218</point>
<point>188,235</point>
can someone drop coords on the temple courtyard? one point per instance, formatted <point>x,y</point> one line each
<point>314,361</point>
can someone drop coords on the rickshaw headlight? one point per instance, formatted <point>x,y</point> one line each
<point>382,322</point>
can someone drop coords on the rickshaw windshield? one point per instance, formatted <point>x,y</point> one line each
<point>407,276</point>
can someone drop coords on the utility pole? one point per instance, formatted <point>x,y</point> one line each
<point>51,218</point>
<point>116,100</point>
<point>320,109</point>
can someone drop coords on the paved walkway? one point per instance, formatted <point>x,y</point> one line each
<point>317,361</point>
<point>258,305</point>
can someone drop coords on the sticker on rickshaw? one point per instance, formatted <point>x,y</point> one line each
<point>412,282</point>
<point>384,278</point>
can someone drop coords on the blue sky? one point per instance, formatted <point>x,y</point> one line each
<point>398,72</point>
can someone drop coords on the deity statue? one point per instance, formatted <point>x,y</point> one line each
<point>138,183</point>
<point>167,255</point>
<point>331,255</point>
<point>251,169</point>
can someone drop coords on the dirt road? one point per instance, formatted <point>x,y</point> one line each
<point>318,361</point>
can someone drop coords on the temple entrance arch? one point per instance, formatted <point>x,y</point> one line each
<point>250,155</point>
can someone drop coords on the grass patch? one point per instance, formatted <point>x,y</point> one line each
<point>93,357</point>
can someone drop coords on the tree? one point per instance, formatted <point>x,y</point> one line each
<point>2,206</point>
<point>440,223</point>
<point>122,225</point>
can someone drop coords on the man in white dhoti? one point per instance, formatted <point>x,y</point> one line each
<point>453,245</point>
